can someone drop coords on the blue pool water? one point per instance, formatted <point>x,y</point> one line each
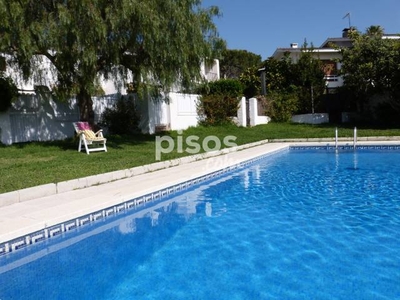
<point>295,225</point>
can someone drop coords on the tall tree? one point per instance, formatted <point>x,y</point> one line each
<point>372,67</point>
<point>309,77</point>
<point>295,87</point>
<point>279,74</point>
<point>159,40</point>
<point>234,62</point>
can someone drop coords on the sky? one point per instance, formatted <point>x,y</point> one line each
<point>261,26</point>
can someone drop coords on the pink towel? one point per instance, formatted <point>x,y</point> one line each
<point>83,126</point>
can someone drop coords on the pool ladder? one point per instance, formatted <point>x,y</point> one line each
<point>354,138</point>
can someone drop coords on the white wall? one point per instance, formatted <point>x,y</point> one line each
<point>37,118</point>
<point>183,110</point>
<point>311,118</point>
<point>158,116</point>
<point>40,118</point>
<point>242,113</point>
<point>43,75</point>
<point>255,119</point>
<point>5,129</point>
<point>175,111</point>
<point>101,103</point>
<point>210,72</point>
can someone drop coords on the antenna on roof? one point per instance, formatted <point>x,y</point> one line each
<point>348,16</point>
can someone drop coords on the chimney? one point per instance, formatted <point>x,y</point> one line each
<point>294,45</point>
<point>346,31</point>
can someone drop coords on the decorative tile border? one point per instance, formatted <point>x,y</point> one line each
<point>346,147</point>
<point>381,147</point>
<point>53,231</point>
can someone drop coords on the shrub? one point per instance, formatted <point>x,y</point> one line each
<point>123,118</point>
<point>219,101</point>
<point>387,114</point>
<point>217,109</point>
<point>8,92</point>
<point>251,83</point>
<point>281,106</point>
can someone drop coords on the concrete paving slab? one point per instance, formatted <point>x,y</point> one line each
<point>37,192</point>
<point>70,185</point>
<point>9,198</point>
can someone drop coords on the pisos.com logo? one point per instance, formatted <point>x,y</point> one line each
<point>191,144</point>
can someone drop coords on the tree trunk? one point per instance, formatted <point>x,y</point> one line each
<point>85,104</point>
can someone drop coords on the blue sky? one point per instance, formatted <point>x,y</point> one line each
<point>261,26</point>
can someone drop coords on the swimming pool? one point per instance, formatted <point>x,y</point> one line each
<point>295,225</point>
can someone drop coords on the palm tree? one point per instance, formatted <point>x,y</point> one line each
<point>375,31</point>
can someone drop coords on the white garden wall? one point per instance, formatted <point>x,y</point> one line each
<point>242,113</point>
<point>183,110</point>
<point>37,117</point>
<point>255,118</point>
<point>311,118</point>
<point>176,112</point>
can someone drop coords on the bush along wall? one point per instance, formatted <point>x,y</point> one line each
<point>123,118</point>
<point>219,101</point>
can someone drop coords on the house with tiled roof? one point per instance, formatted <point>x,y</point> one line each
<point>328,53</point>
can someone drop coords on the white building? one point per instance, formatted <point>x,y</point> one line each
<point>328,53</point>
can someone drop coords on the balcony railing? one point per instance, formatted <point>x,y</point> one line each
<point>333,81</point>
<point>332,78</point>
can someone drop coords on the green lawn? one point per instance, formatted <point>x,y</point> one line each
<point>30,164</point>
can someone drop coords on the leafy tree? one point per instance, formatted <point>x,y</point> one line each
<point>294,87</point>
<point>234,62</point>
<point>309,78</point>
<point>371,68</point>
<point>279,74</point>
<point>162,41</point>
<point>251,82</point>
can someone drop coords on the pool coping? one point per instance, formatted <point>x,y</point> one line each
<point>26,223</point>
